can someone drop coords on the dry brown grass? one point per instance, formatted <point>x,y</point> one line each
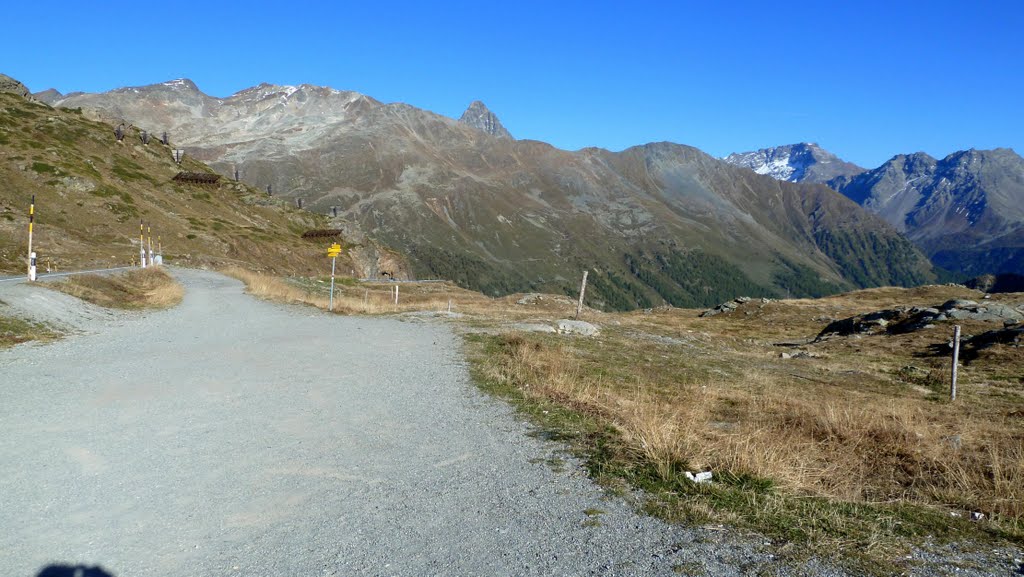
<point>368,299</point>
<point>136,289</point>
<point>847,425</point>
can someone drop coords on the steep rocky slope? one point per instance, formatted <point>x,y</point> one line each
<point>966,210</point>
<point>654,223</point>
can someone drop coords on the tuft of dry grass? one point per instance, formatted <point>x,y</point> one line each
<point>137,289</point>
<point>368,299</point>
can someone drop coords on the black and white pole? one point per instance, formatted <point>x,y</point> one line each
<point>149,230</point>
<point>31,255</point>
<point>142,246</point>
<point>956,357</point>
<point>159,252</point>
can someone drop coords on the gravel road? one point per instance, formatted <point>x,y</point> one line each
<point>231,436</point>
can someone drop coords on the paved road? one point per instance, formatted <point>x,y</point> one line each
<point>230,436</point>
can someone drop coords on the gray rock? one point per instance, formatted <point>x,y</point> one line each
<point>533,328</point>
<point>570,327</point>
<point>958,304</point>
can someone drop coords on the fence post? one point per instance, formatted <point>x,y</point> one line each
<point>583,290</point>
<point>956,357</point>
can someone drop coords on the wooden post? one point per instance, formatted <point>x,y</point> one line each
<point>396,295</point>
<point>956,357</point>
<point>449,306</point>
<point>583,290</point>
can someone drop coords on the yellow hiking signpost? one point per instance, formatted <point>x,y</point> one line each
<point>332,252</point>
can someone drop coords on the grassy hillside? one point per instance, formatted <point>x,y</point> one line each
<point>91,191</point>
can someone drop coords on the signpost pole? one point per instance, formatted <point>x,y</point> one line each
<point>333,251</point>
<point>330,307</point>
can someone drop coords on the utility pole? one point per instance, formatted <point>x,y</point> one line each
<point>31,255</point>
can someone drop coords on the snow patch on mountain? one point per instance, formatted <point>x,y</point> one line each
<point>803,162</point>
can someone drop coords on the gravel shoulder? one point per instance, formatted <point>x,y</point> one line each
<point>234,436</point>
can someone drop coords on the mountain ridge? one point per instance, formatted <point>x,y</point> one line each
<point>503,215</point>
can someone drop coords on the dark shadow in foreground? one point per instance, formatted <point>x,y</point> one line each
<point>74,571</point>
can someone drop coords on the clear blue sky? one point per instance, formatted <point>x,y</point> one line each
<point>866,80</point>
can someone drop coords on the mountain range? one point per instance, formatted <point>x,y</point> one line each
<point>462,199</point>
<point>965,211</point>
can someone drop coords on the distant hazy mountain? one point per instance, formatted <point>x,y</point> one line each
<point>966,211</point>
<point>654,223</point>
<point>803,162</point>
<point>49,96</point>
<point>479,116</point>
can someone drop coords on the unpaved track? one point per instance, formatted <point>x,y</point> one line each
<point>230,436</point>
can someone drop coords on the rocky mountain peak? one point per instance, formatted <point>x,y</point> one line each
<point>800,162</point>
<point>480,117</point>
<point>49,96</point>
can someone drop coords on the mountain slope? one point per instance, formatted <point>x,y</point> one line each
<point>966,211</point>
<point>655,223</point>
<point>91,192</point>
<point>803,162</point>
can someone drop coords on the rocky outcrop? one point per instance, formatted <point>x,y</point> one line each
<point>908,319</point>
<point>8,84</point>
<point>728,306</point>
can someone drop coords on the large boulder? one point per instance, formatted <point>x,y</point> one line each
<point>569,327</point>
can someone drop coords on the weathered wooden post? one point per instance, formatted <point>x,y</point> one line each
<point>396,295</point>
<point>956,357</point>
<point>583,290</point>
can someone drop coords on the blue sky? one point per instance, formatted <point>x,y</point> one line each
<point>866,80</point>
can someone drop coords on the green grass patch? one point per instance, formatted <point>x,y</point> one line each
<point>14,331</point>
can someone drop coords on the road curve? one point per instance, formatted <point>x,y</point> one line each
<point>231,436</point>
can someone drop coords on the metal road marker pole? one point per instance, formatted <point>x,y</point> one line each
<point>31,255</point>
<point>149,230</point>
<point>142,246</point>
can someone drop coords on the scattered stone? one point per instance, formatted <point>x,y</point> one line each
<point>583,328</point>
<point>977,515</point>
<point>530,299</point>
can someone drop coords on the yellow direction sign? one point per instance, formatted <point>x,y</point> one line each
<point>334,250</point>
